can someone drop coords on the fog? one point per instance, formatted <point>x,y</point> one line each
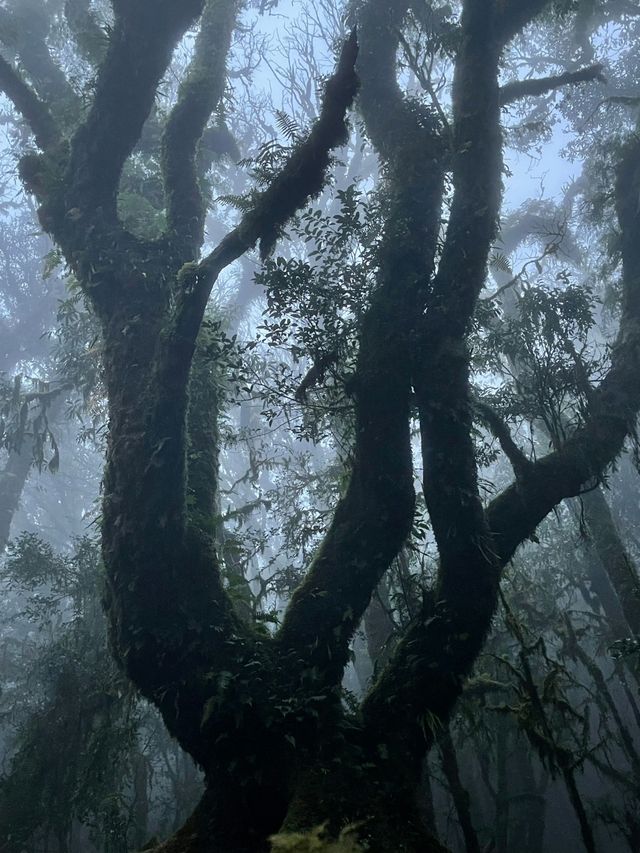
<point>319,464</point>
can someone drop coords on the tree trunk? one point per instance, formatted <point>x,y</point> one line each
<point>12,482</point>
<point>607,543</point>
<point>459,793</point>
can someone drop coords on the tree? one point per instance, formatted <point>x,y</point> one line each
<point>263,714</point>
<point>76,731</point>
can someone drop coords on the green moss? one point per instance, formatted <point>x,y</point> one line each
<point>316,841</point>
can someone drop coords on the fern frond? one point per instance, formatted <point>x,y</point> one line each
<point>288,126</point>
<point>499,261</point>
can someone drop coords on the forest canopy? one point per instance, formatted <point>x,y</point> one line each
<point>318,402</point>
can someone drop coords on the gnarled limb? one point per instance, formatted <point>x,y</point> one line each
<point>153,545</point>
<point>442,388</point>
<point>374,518</point>
<point>614,405</point>
<point>301,178</point>
<point>425,675</point>
<point>514,515</point>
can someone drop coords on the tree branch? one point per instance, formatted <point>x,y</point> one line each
<point>614,404</point>
<point>511,92</point>
<point>34,111</point>
<point>442,364</point>
<point>423,77</point>
<point>25,31</point>
<point>87,32</point>
<point>13,478</point>
<point>154,545</point>
<point>200,94</point>
<point>519,461</point>
<point>301,178</point>
<point>477,165</point>
<point>374,517</point>
<point>140,48</point>
<point>515,15</point>
<point>422,679</point>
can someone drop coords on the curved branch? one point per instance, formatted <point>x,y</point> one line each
<point>153,546</point>
<point>301,179</point>
<point>34,111</point>
<point>374,518</point>
<point>442,375</point>
<point>423,680</point>
<point>200,94</point>
<point>442,644</point>
<point>477,165</point>
<point>614,405</point>
<point>519,461</point>
<point>78,188</point>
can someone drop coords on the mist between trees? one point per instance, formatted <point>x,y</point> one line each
<point>319,359</point>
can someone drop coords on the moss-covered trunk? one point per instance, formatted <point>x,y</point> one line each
<point>345,793</point>
<point>263,715</point>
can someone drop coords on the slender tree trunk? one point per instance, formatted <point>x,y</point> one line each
<point>459,793</point>
<point>12,482</point>
<point>140,797</point>
<point>620,568</point>
<point>502,790</point>
<point>528,802</point>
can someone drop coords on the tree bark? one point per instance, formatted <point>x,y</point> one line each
<point>263,716</point>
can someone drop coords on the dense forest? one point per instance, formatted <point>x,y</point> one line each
<point>319,393</point>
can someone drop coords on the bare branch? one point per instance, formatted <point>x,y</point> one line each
<point>424,79</point>
<point>34,111</point>
<point>511,92</point>
<point>550,249</point>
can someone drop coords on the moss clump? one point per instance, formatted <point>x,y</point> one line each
<point>316,841</point>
